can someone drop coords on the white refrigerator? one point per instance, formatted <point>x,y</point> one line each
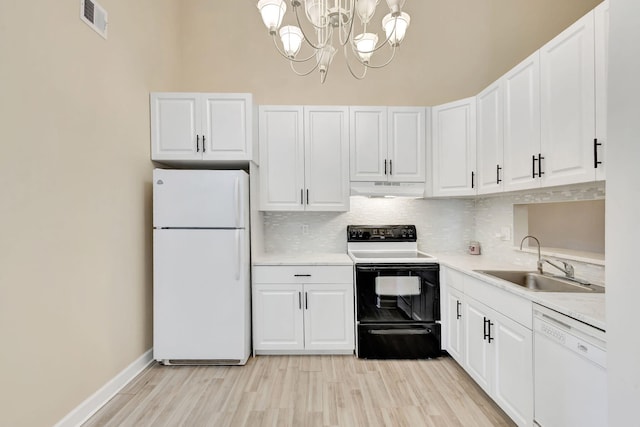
<point>201,290</point>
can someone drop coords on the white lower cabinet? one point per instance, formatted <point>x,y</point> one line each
<point>299,309</point>
<point>494,349</point>
<point>455,325</point>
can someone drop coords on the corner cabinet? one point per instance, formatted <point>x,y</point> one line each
<point>201,126</point>
<point>304,154</point>
<point>303,309</point>
<point>454,148</point>
<point>387,144</point>
<point>489,334</point>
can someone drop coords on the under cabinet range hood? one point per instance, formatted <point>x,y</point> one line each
<point>388,189</point>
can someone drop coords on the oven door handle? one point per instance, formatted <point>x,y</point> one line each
<point>411,269</point>
<point>400,331</point>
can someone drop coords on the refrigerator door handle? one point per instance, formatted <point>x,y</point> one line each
<point>237,205</point>
<point>238,254</point>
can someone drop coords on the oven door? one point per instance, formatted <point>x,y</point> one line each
<point>397,293</point>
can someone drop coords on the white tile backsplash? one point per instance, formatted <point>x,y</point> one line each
<point>443,225</point>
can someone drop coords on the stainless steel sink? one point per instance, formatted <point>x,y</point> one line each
<point>541,283</point>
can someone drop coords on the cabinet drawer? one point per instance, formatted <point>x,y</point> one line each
<point>512,306</point>
<point>454,279</point>
<point>303,274</point>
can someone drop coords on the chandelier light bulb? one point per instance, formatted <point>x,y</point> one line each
<point>316,11</point>
<point>395,6</point>
<point>291,38</point>
<point>325,56</point>
<point>272,12</point>
<point>365,45</point>
<point>396,27</point>
<point>366,9</point>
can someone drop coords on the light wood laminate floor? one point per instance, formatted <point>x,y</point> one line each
<point>304,391</point>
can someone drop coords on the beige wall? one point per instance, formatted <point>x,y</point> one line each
<point>75,246</point>
<point>75,209</point>
<point>453,49</point>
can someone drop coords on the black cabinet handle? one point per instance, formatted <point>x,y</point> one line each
<point>301,196</point>
<point>473,175</point>
<point>299,300</point>
<point>596,144</point>
<point>390,167</point>
<point>203,144</point>
<point>540,159</point>
<point>498,169</point>
<point>533,166</point>
<point>301,275</point>
<point>458,315</point>
<point>490,324</point>
<point>307,196</point>
<point>385,166</point>
<point>306,301</point>
<point>484,328</point>
<point>197,143</point>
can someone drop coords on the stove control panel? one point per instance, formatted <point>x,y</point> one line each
<point>381,233</point>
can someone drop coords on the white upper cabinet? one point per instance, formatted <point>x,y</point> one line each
<point>281,158</point>
<point>368,143</point>
<point>521,91</point>
<point>387,144</point>
<point>304,158</point>
<point>201,126</point>
<point>490,122</point>
<point>406,144</point>
<point>602,70</point>
<point>454,148</point>
<point>326,164</point>
<point>567,68</point>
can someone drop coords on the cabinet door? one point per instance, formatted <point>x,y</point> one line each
<point>278,317</point>
<point>407,127</point>
<point>328,319</point>
<point>602,71</point>
<point>455,325</point>
<point>568,105</point>
<point>521,123</point>
<point>490,139</point>
<point>281,158</point>
<point>454,148</point>
<point>368,143</point>
<point>326,165</point>
<point>226,126</point>
<point>513,369</point>
<point>476,347</point>
<point>175,127</point>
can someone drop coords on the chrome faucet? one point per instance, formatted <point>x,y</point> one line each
<point>540,262</point>
<point>567,269</point>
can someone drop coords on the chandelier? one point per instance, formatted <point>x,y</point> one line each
<point>331,23</point>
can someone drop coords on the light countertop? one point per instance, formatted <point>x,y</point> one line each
<point>302,259</point>
<point>588,308</point>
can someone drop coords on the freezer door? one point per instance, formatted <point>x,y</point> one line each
<point>200,198</point>
<point>201,295</point>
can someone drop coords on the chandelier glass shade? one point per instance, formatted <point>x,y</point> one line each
<point>331,25</point>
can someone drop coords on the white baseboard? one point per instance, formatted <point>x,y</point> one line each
<point>96,401</point>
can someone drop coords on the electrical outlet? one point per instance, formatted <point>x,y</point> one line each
<point>505,233</point>
<point>305,229</point>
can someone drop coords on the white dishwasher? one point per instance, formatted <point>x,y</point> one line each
<point>570,377</point>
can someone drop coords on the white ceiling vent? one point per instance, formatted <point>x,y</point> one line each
<point>94,16</point>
